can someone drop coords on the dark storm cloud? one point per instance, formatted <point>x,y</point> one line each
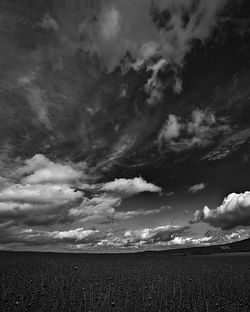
<point>233,212</point>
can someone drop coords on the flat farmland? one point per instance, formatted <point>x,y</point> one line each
<point>123,282</point>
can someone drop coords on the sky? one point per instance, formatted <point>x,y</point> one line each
<point>124,124</point>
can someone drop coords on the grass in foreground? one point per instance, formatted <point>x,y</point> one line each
<point>124,282</point>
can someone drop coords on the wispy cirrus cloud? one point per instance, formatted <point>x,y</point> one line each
<point>228,145</point>
<point>156,34</point>
<point>169,27</point>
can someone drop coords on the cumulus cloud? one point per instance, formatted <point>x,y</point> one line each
<point>41,170</point>
<point>196,188</point>
<point>129,187</point>
<point>37,204</point>
<point>43,195</point>
<point>96,209</point>
<point>77,236</point>
<point>233,212</point>
<point>50,193</point>
<point>199,131</point>
<point>191,241</point>
<point>38,194</point>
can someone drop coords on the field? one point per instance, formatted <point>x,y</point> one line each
<point>139,282</point>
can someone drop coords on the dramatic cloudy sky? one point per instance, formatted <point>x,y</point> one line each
<point>124,124</point>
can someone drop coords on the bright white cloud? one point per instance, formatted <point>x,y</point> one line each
<point>234,211</point>
<point>58,194</point>
<point>190,241</point>
<point>77,236</point>
<point>129,187</point>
